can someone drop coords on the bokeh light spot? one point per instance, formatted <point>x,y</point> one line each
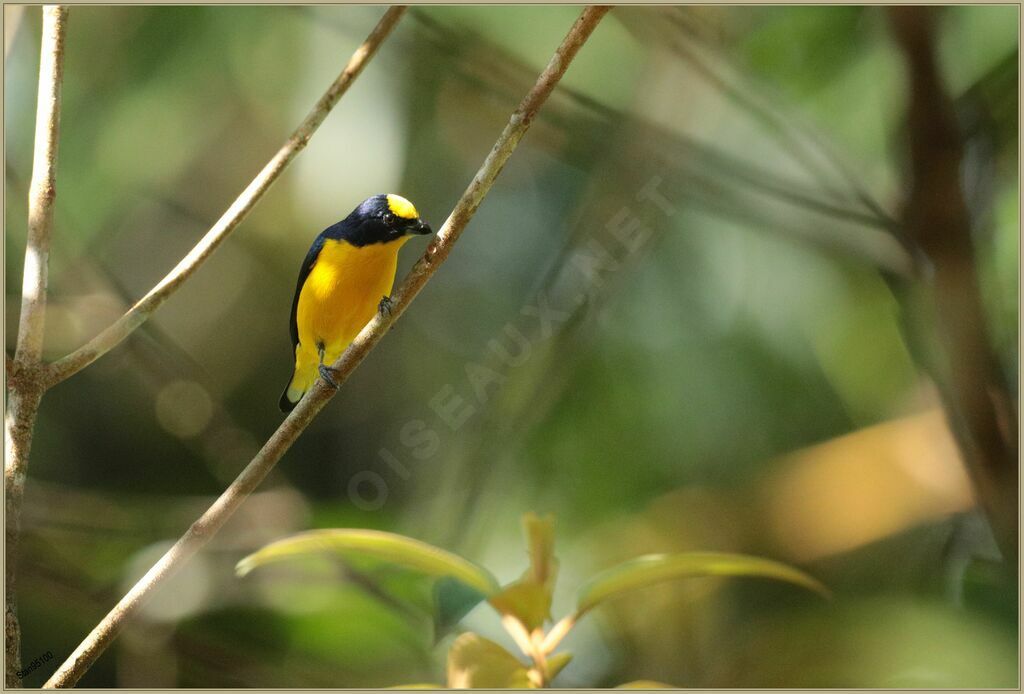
<point>184,408</point>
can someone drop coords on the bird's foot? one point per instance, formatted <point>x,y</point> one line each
<point>327,373</point>
<point>385,306</point>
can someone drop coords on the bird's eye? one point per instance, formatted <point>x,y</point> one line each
<point>389,218</point>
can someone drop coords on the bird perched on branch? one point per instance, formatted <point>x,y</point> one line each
<point>346,277</point>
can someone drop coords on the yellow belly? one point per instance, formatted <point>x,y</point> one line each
<point>341,294</point>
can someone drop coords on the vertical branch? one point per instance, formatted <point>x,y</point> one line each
<point>43,188</point>
<point>203,529</point>
<point>18,423</point>
<point>936,218</point>
<point>25,382</point>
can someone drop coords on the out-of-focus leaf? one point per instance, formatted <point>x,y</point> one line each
<point>476,662</point>
<point>389,547</point>
<point>557,663</point>
<point>645,684</point>
<point>529,598</point>
<point>528,602</point>
<point>655,568</point>
<point>988,587</point>
<point>540,538</point>
<point>866,485</point>
<point>834,36</point>
<point>452,601</point>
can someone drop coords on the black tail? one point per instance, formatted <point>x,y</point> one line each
<point>284,403</point>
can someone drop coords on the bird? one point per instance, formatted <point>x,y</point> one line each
<point>346,277</point>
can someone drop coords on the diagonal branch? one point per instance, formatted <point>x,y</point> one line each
<point>24,380</point>
<point>243,204</point>
<point>210,522</point>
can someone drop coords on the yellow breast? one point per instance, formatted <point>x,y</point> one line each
<point>342,291</point>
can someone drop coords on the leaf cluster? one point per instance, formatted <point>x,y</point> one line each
<point>524,604</point>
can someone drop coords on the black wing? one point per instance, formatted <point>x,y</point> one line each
<point>307,266</point>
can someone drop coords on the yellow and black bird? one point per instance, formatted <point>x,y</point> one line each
<point>346,277</point>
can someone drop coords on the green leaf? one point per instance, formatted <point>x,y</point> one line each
<point>389,547</point>
<point>655,568</point>
<point>529,598</point>
<point>540,538</point>
<point>476,662</point>
<point>452,601</point>
<point>645,684</point>
<point>526,601</point>
<point>557,663</point>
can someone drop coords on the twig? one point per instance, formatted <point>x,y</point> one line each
<point>210,522</point>
<point>43,187</point>
<point>243,204</point>
<point>25,385</point>
<point>974,391</point>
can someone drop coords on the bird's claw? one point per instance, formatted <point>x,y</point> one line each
<point>327,373</point>
<point>385,306</point>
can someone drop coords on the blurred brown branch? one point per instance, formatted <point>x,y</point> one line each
<point>243,204</point>
<point>936,218</point>
<point>210,522</point>
<point>25,383</point>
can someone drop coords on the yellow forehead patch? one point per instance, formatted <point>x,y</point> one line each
<point>400,207</point>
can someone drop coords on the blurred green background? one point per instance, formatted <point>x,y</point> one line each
<point>719,366</point>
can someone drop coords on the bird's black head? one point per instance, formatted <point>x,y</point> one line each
<point>381,219</point>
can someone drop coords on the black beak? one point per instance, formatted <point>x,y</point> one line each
<point>421,228</point>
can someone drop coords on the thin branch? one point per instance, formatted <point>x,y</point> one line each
<point>25,385</point>
<point>243,204</point>
<point>43,188</point>
<point>210,522</point>
<point>977,402</point>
